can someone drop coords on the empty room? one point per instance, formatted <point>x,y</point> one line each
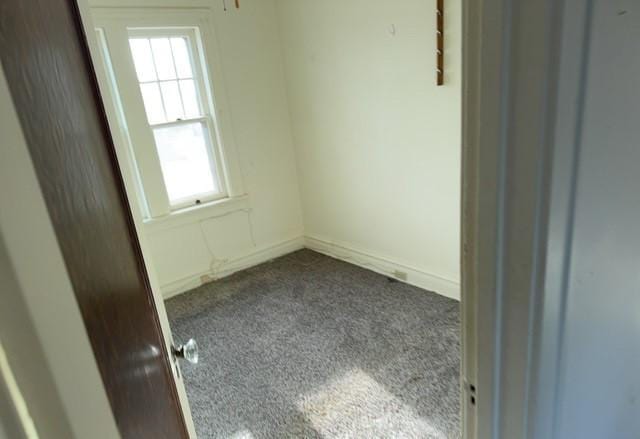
<point>292,174</point>
<point>319,219</point>
<point>293,168</point>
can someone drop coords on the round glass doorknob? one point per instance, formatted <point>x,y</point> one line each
<point>187,351</point>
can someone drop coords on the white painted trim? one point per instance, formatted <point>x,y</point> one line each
<point>385,266</point>
<point>114,22</point>
<point>513,110</point>
<point>344,252</point>
<point>169,4</point>
<point>195,214</point>
<point>15,417</point>
<point>252,259</point>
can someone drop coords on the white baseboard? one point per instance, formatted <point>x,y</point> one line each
<point>414,276</point>
<point>255,258</point>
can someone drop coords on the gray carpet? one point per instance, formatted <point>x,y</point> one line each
<point>307,346</point>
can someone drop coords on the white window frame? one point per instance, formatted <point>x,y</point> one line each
<point>200,77</point>
<point>115,27</point>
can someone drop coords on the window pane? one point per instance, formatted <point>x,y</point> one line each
<point>172,101</point>
<point>181,57</point>
<point>163,58</point>
<point>185,163</point>
<point>141,52</point>
<point>152,102</point>
<point>189,98</point>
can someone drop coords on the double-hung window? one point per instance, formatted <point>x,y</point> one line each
<point>163,86</point>
<point>171,87</point>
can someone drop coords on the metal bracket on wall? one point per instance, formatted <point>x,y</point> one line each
<point>440,41</point>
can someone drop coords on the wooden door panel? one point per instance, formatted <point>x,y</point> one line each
<point>46,60</point>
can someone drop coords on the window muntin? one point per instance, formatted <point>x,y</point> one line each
<point>169,80</point>
<point>166,76</point>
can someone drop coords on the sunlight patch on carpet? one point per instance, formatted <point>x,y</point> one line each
<point>243,434</point>
<point>356,403</point>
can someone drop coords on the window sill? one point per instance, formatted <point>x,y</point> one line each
<point>195,214</point>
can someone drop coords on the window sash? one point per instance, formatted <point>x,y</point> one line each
<point>198,74</point>
<point>214,163</point>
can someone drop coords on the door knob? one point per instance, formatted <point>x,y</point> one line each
<point>187,351</point>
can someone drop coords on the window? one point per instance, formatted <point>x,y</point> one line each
<point>160,84</point>
<point>168,79</point>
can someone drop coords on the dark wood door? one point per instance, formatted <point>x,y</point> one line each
<point>47,64</point>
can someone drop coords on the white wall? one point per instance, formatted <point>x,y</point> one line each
<point>345,92</point>
<point>377,143</point>
<point>249,46</point>
<point>598,386</point>
<point>268,221</point>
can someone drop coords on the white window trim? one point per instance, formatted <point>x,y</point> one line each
<point>200,76</point>
<point>196,214</point>
<point>116,26</point>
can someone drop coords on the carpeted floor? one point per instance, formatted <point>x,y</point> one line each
<point>307,346</point>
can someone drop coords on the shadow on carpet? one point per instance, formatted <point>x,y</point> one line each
<point>307,346</point>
